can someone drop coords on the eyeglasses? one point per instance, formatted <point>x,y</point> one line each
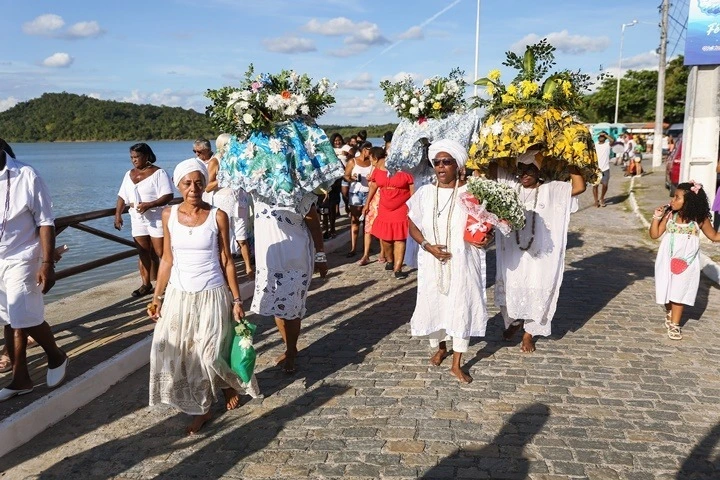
<point>445,161</point>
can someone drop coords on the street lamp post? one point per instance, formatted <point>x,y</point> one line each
<point>617,90</point>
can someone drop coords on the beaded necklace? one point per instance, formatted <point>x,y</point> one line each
<point>443,277</point>
<point>6,213</point>
<point>532,228</point>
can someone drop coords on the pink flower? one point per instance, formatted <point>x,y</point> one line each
<point>255,86</point>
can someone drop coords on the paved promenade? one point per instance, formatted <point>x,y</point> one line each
<point>608,396</point>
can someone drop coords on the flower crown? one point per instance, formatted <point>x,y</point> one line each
<point>438,96</point>
<point>262,101</point>
<point>532,112</point>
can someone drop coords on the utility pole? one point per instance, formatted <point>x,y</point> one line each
<point>660,100</point>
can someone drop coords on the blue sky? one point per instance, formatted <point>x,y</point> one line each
<point>170,51</point>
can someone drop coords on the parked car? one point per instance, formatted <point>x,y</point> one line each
<point>672,167</point>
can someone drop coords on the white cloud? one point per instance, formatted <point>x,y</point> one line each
<point>8,103</point>
<point>58,60</point>
<point>357,106</point>
<point>289,45</point>
<point>84,30</point>
<point>359,36</point>
<point>565,42</point>
<point>333,27</point>
<point>47,24</point>
<point>95,95</point>
<point>168,97</point>
<point>361,82</point>
<point>412,33</point>
<point>401,76</point>
<point>643,61</point>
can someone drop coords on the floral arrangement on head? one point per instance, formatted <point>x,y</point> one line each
<point>437,98</point>
<point>262,101</point>
<point>535,110</point>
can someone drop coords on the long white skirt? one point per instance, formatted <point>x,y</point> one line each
<point>191,349</point>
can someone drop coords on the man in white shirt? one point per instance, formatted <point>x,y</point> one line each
<point>27,263</point>
<point>602,147</point>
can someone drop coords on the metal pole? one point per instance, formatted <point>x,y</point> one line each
<point>660,100</point>
<point>617,90</point>
<point>477,45</point>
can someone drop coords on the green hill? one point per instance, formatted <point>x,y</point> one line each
<point>70,117</point>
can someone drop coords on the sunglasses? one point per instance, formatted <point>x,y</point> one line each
<point>527,169</point>
<point>445,161</point>
<point>198,151</point>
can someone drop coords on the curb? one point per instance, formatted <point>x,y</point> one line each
<point>707,266</point>
<point>23,425</point>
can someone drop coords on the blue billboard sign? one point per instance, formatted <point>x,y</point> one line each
<point>702,41</point>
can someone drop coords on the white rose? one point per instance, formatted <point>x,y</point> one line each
<point>414,111</point>
<point>413,101</point>
<point>305,110</point>
<point>421,105</point>
<point>247,118</point>
<point>406,97</point>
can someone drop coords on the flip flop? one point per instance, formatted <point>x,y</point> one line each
<point>5,363</point>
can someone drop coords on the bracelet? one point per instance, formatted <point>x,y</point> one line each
<point>48,261</point>
<point>320,257</point>
<point>657,218</point>
<point>160,297</point>
<point>237,301</point>
<point>424,244</point>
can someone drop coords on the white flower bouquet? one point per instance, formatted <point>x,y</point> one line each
<point>437,98</point>
<point>490,204</point>
<point>263,101</point>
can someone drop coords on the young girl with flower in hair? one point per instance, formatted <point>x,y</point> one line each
<point>677,268</point>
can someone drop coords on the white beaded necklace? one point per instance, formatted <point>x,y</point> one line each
<point>443,277</point>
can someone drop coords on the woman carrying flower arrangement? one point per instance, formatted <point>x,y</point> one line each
<point>451,303</point>
<point>532,142</point>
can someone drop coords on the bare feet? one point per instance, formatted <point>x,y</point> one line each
<point>232,399</point>
<point>281,359</point>
<point>510,332</point>
<point>460,374</point>
<point>528,345</point>
<point>289,365</point>
<point>197,423</point>
<point>438,358</point>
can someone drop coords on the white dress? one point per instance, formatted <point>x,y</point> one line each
<point>528,282</point>
<point>192,340</point>
<point>462,311</point>
<point>685,241</point>
<point>283,259</point>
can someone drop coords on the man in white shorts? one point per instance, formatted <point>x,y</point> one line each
<point>602,147</point>
<point>27,271</point>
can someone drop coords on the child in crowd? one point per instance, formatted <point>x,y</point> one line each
<point>677,268</point>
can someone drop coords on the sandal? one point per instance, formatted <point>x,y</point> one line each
<point>668,321</point>
<point>350,254</point>
<point>363,261</point>
<point>389,266</point>
<point>674,332</point>
<point>5,363</point>
<point>142,291</point>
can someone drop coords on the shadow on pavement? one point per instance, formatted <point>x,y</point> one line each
<point>591,283</point>
<point>702,463</point>
<point>503,457</point>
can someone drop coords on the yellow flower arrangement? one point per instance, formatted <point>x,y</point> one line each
<point>535,111</point>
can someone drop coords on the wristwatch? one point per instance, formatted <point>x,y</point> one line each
<point>424,244</point>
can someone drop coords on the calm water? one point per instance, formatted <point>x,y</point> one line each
<point>83,177</point>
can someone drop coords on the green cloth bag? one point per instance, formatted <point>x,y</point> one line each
<point>242,353</point>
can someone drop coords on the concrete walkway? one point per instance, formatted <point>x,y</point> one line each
<point>607,396</point>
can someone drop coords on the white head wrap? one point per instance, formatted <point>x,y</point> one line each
<point>528,158</point>
<point>188,166</point>
<point>455,149</point>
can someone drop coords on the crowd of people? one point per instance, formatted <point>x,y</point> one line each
<point>189,249</point>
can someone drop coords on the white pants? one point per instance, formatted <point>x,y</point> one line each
<point>459,345</point>
<point>21,298</point>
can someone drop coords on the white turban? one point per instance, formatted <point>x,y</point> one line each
<point>455,149</point>
<point>528,158</point>
<point>188,166</point>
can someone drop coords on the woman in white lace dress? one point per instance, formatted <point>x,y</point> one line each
<point>531,262</point>
<point>196,299</point>
<point>288,243</point>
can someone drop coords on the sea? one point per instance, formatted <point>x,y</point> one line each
<point>86,176</point>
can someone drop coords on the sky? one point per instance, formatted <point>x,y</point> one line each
<point>169,52</point>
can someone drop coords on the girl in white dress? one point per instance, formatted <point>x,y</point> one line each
<point>677,268</point>
<point>196,299</point>
<point>451,303</point>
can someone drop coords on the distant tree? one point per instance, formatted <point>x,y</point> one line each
<point>638,89</point>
